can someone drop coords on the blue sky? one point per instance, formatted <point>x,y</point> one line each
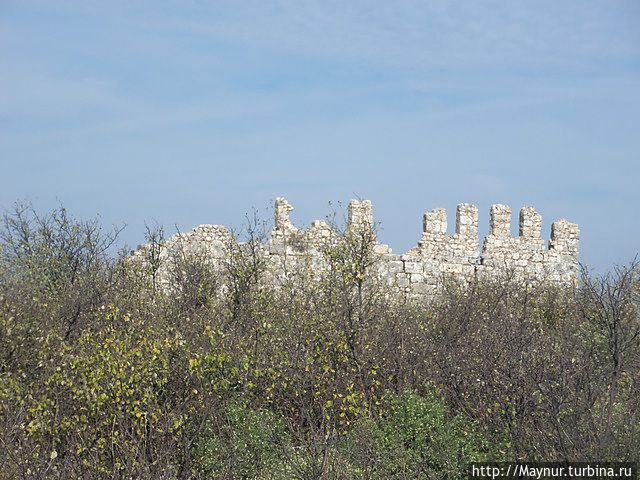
<point>192,112</point>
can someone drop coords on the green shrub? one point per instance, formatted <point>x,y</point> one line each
<point>242,443</point>
<point>415,438</point>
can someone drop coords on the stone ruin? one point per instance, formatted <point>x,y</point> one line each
<point>419,272</point>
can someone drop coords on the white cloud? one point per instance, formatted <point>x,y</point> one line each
<point>425,34</point>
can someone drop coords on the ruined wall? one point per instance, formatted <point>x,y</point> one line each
<point>420,271</point>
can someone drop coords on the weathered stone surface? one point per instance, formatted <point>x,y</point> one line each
<point>419,272</point>
<point>282,223</point>
<point>360,215</point>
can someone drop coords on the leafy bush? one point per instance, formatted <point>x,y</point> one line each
<point>105,374</point>
<point>415,438</point>
<point>242,443</point>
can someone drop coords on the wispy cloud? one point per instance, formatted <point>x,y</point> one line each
<point>423,34</point>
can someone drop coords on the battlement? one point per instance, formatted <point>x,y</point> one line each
<point>530,223</point>
<point>435,222</point>
<point>422,270</point>
<point>360,215</point>
<point>467,221</point>
<point>282,223</point>
<point>565,237</point>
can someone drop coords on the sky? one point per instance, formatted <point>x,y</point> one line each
<point>190,112</point>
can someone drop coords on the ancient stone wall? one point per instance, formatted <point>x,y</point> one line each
<point>423,269</point>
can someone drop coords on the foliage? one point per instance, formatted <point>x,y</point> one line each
<point>106,373</point>
<point>415,438</point>
<point>241,442</point>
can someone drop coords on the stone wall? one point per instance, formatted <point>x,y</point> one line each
<point>423,269</point>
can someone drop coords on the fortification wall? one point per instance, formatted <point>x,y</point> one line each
<point>420,271</point>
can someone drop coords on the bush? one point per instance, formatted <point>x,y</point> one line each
<point>105,374</point>
<point>415,437</point>
<point>242,443</point>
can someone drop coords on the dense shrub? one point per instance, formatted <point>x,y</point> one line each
<point>244,443</point>
<point>106,374</point>
<point>415,437</point>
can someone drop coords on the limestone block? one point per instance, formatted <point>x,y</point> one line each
<point>413,267</point>
<point>394,266</point>
<point>381,249</point>
<point>402,281</point>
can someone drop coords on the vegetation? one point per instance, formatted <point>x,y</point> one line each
<point>105,374</point>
